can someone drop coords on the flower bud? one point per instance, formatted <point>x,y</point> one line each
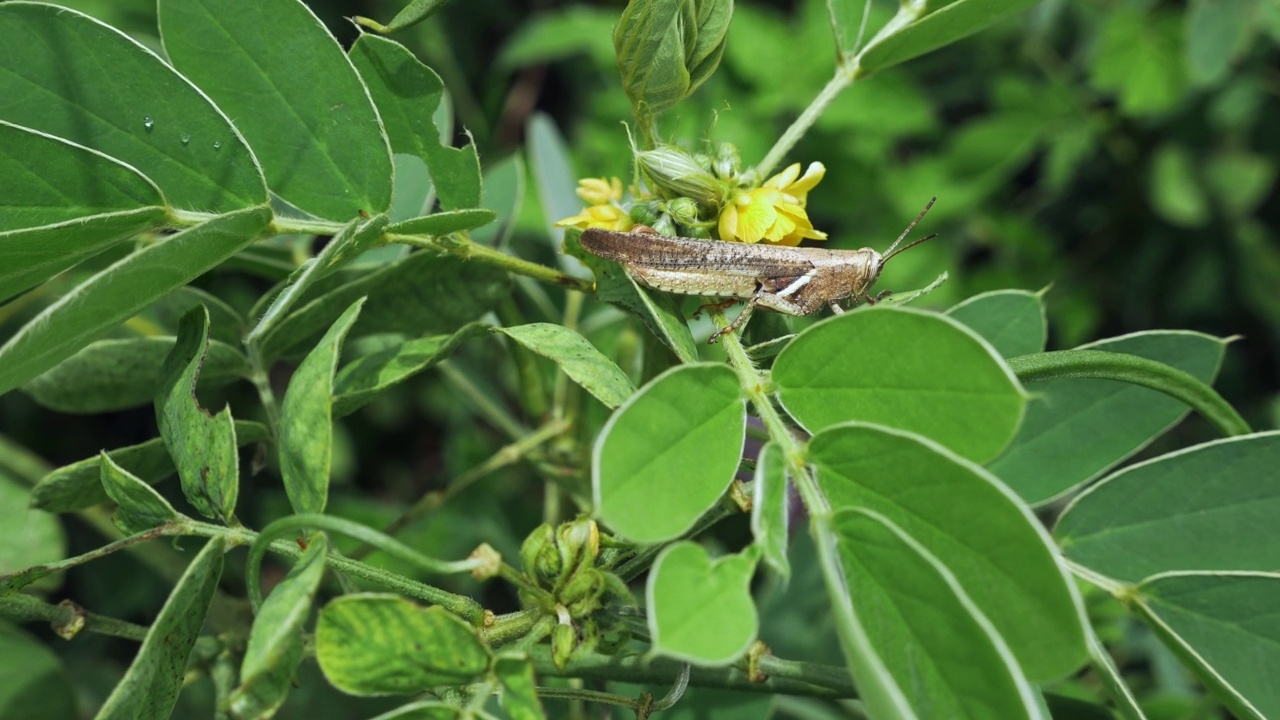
<point>667,48</point>
<point>675,173</point>
<point>490,562</point>
<point>646,213</point>
<point>563,640</point>
<point>683,210</point>
<point>599,191</point>
<point>539,555</point>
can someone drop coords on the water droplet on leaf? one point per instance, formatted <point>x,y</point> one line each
<point>185,138</point>
<point>148,123</point>
<point>217,144</point>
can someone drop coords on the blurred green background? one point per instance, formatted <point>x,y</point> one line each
<point>1122,154</point>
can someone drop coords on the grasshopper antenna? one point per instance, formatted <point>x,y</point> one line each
<point>894,249</point>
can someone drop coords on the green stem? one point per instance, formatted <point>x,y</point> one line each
<point>529,374</point>
<point>460,605</point>
<point>26,608</point>
<point>506,628</point>
<point>842,79</point>
<point>564,693</point>
<point>491,256</point>
<point>261,379</point>
<point>640,669</point>
<point>1136,370</point>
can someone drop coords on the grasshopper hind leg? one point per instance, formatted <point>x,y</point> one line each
<point>742,316</point>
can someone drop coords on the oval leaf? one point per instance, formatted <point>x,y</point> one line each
<point>1075,429</point>
<point>1209,507</point>
<point>370,644</point>
<point>443,223</point>
<point>26,538</point>
<point>975,526</point>
<point>1011,320</point>
<point>667,455</point>
<point>300,103</point>
<point>118,292</point>
<point>519,696</point>
<point>364,378</point>
<point>770,511</point>
<point>1225,627</point>
<point>150,687</point>
<point>202,445</point>
<point>73,77</point>
<point>929,634</point>
<point>118,374</point>
<point>578,358</point>
<point>275,641</point>
<point>138,506</point>
<point>306,420</point>
<point>907,369</point>
<point>75,486</point>
<point>701,611</point>
<point>952,22</point>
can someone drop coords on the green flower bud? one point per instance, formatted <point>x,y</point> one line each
<point>726,164</point>
<point>581,595</point>
<point>579,544</point>
<point>563,640</point>
<point>683,210</point>
<point>539,556</point>
<point>646,213</point>
<point>675,173</point>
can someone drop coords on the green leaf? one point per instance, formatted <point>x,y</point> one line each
<point>118,374</point>
<point>1218,34</point>
<point>1105,668</point>
<point>563,34</point>
<point>1011,320</point>
<point>138,507</point>
<point>226,324</point>
<point>423,710</point>
<point>1175,190</point>
<point>847,24</point>
<point>364,378</point>
<point>966,518</point>
<point>423,294</point>
<point>371,644</point>
<point>659,311</point>
<point>907,35</point>
<point>412,14</point>
<point>306,420</point>
<point>670,451</point>
<point>275,641</point>
<point>68,75</point>
<point>555,181</point>
<point>1076,429</point>
<point>61,203</point>
<point>1225,627</point>
<point>908,369</point>
<point>1138,55</point>
<point>113,295</point>
<point>76,486</point>
<point>151,685</point>
<point>443,223</point>
<point>519,697</point>
<point>354,238</point>
<point>202,445</point>
<point>504,195</point>
<point>929,634</point>
<point>27,537</point>
<point>408,95</point>
<point>578,358</point>
<point>701,611</point>
<point>1208,507</point>
<point>770,511</point>
<point>300,103</point>
<point>35,685</point>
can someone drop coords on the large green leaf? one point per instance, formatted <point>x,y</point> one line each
<point>117,374</point>
<point>116,293</point>
<point>306,420</point>
<point>150,688</point>
<point>578,358</point>
<point>973,525</point>
<point>138,506</point>
<point>928,632</point>
<point>669,452</point>
<point>61,203</point>
<point>75,486</point>
<point>202,444</point>
<point>907,369</point>
<point>908,35</point>
<point>1075,429</point>
<point>408,94</point>
<point>371,644</point>
<point>27,537</point>
<point>299,103</point>
<point>1209,507</point>
<point>73,77</point>
<point>701,611</point>
<point>1226,627</point>
<point>275,641</point>
<point>1011,320</point>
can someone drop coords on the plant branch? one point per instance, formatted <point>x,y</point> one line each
<point>26,608</point>
<point>842,79</point>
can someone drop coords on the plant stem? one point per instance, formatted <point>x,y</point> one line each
<point>24,608</point>
<point>261,380</point>
<point>842,79</point>
<point>491,256</point>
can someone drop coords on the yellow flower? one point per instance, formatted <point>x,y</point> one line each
<point>598,191</point>
<point>773,212</point>
<point>604,211</point>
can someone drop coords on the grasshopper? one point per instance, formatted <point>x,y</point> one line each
<point>791,280</point>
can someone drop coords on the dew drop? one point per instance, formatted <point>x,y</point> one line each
<point>148,123</point>
<point>217,144</point>
<point>185,138</point>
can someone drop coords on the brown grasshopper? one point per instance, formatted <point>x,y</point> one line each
<point>791,280</point>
